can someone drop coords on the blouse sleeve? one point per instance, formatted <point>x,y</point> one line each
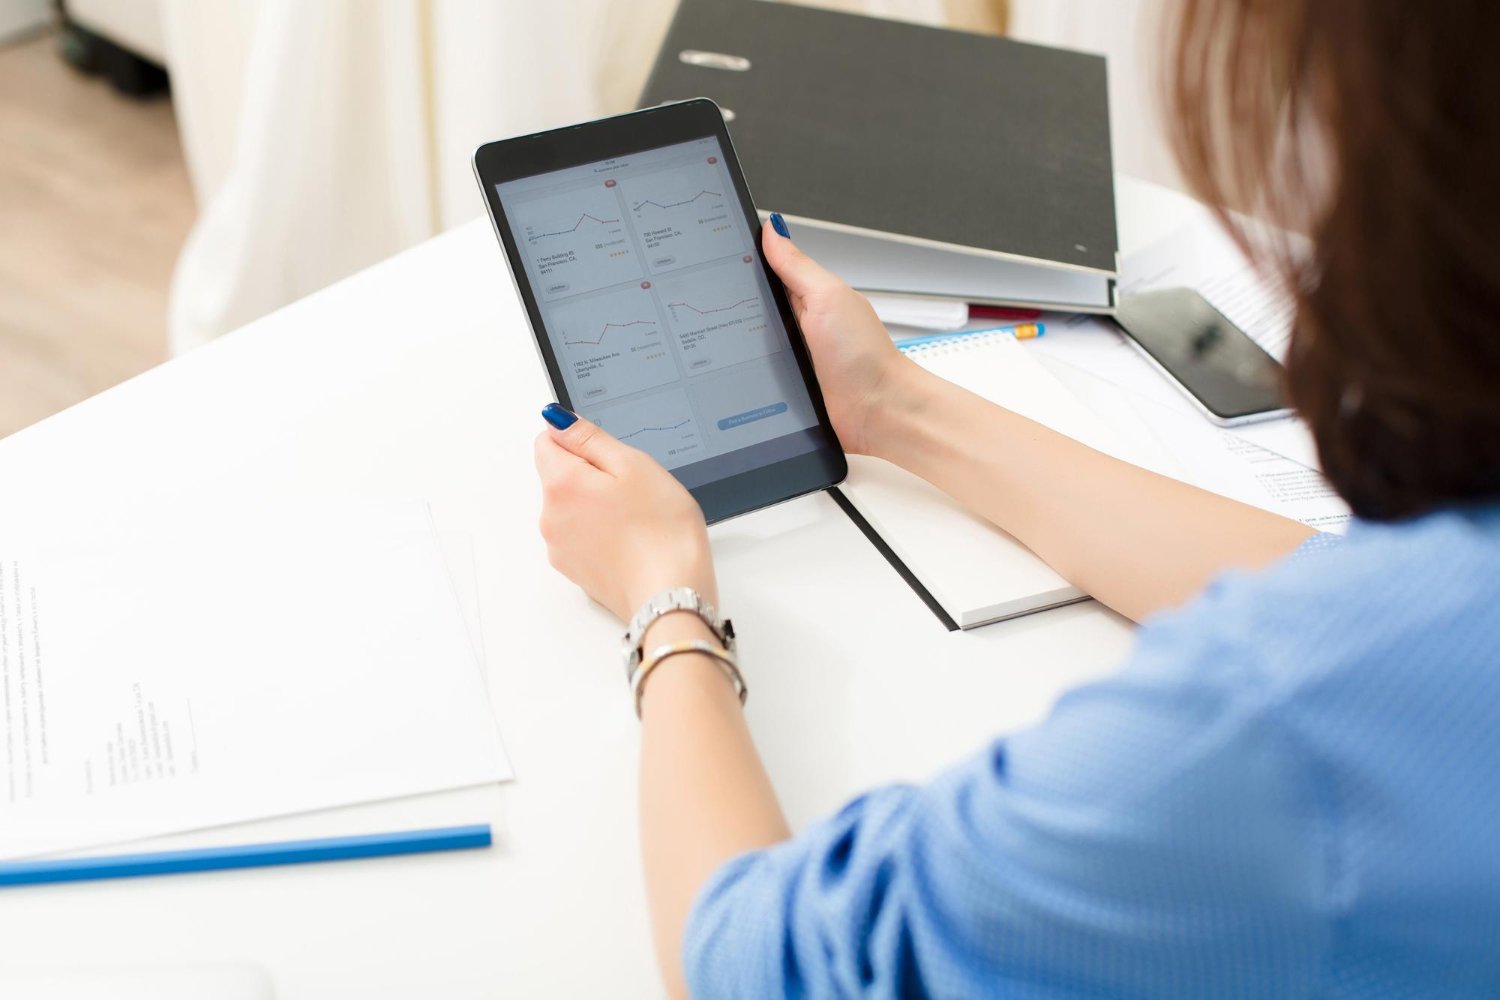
<point>1154,837</point>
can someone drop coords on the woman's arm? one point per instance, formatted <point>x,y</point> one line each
<point>905,888</point>
<point>1155,836</point>
<point>621,527</point>
<point>1136,541</point>
<point>704,795</point>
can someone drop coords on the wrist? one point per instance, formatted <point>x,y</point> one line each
<point>905,392</point>
<point>693,569</point>
<point>675,600</point>
<point>677,623</point>
<point>685,675</point>
<point>676,626</point>
<point>689,688</point>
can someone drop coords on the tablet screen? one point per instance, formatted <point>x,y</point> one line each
<point>646,275</point>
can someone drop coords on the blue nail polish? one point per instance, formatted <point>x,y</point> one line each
<point>779,224</point>
<point>559,416</point>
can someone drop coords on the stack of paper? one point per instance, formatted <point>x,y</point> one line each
<point>1271,465</point>
<point>251,665</point>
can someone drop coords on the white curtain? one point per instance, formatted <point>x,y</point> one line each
<point>324,135</point>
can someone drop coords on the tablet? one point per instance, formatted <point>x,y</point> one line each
<point>635,248</point>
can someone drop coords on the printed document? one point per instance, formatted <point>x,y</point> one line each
<point>1203,258</point>
<point>252,665</point>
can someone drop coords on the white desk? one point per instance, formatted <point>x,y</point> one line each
<point>417,379</point>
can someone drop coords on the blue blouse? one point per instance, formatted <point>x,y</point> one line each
<point>1292,789</point>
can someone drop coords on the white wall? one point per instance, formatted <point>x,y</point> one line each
<point>21,17</point>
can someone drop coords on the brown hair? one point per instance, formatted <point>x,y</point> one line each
<point>1372,126</point>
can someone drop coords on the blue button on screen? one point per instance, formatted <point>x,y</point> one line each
<point>750,416</point>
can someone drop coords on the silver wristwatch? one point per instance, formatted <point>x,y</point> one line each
<point>676,599</point>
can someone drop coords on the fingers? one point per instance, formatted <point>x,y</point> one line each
<point>800,273</point>
<point>585,440</point>
<point>565,479</point>
<point>554,462</point>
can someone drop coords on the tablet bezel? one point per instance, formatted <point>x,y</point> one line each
<point>624,135</point>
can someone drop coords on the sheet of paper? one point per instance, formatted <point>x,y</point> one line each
<point>1202,257</point>
<point>458,557</point>
<point>247,666</point>
<point>1097,347</point>
<point>1116,408</point>
<point>1224,463</point>
<point>1215,459</point>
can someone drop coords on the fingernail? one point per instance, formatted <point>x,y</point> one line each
<point>559,416</point>
<point>779,224</point>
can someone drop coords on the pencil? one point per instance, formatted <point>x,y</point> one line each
<point>289,852</point>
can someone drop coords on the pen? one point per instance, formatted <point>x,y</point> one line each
<point>289,852</point>
<point>1021,331</point>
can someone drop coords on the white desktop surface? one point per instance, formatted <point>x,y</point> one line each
<point>418,378</point>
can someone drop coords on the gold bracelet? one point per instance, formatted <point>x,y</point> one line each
<point>661,654</point>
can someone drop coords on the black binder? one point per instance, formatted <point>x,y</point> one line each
<point>912,159</point>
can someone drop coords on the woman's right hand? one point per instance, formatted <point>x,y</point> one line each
<point>861,372</point>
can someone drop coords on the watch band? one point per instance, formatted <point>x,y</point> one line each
<point>676,599</point>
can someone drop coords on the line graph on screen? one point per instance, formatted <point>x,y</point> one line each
<point>585,217</point>
<point>676,204</point>
<point>604,332</point>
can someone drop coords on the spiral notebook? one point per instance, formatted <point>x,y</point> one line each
<point>967,570</point>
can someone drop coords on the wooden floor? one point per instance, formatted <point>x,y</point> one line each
<point>94,205</point>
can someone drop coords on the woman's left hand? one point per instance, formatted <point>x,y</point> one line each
<point>616,522</point>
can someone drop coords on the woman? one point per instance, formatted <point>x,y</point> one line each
<point>1293,786</point>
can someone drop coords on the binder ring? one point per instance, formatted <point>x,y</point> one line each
<point>714,60</point>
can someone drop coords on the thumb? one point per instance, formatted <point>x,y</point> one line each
<point>800,273</point>
<point>586,439</point>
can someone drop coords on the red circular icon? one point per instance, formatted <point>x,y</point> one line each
<point>645,284</point>
<point>609,183</point>
<point>746,258</point>
<point>713,159</point>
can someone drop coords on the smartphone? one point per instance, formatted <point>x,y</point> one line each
<point>1228,376</point>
